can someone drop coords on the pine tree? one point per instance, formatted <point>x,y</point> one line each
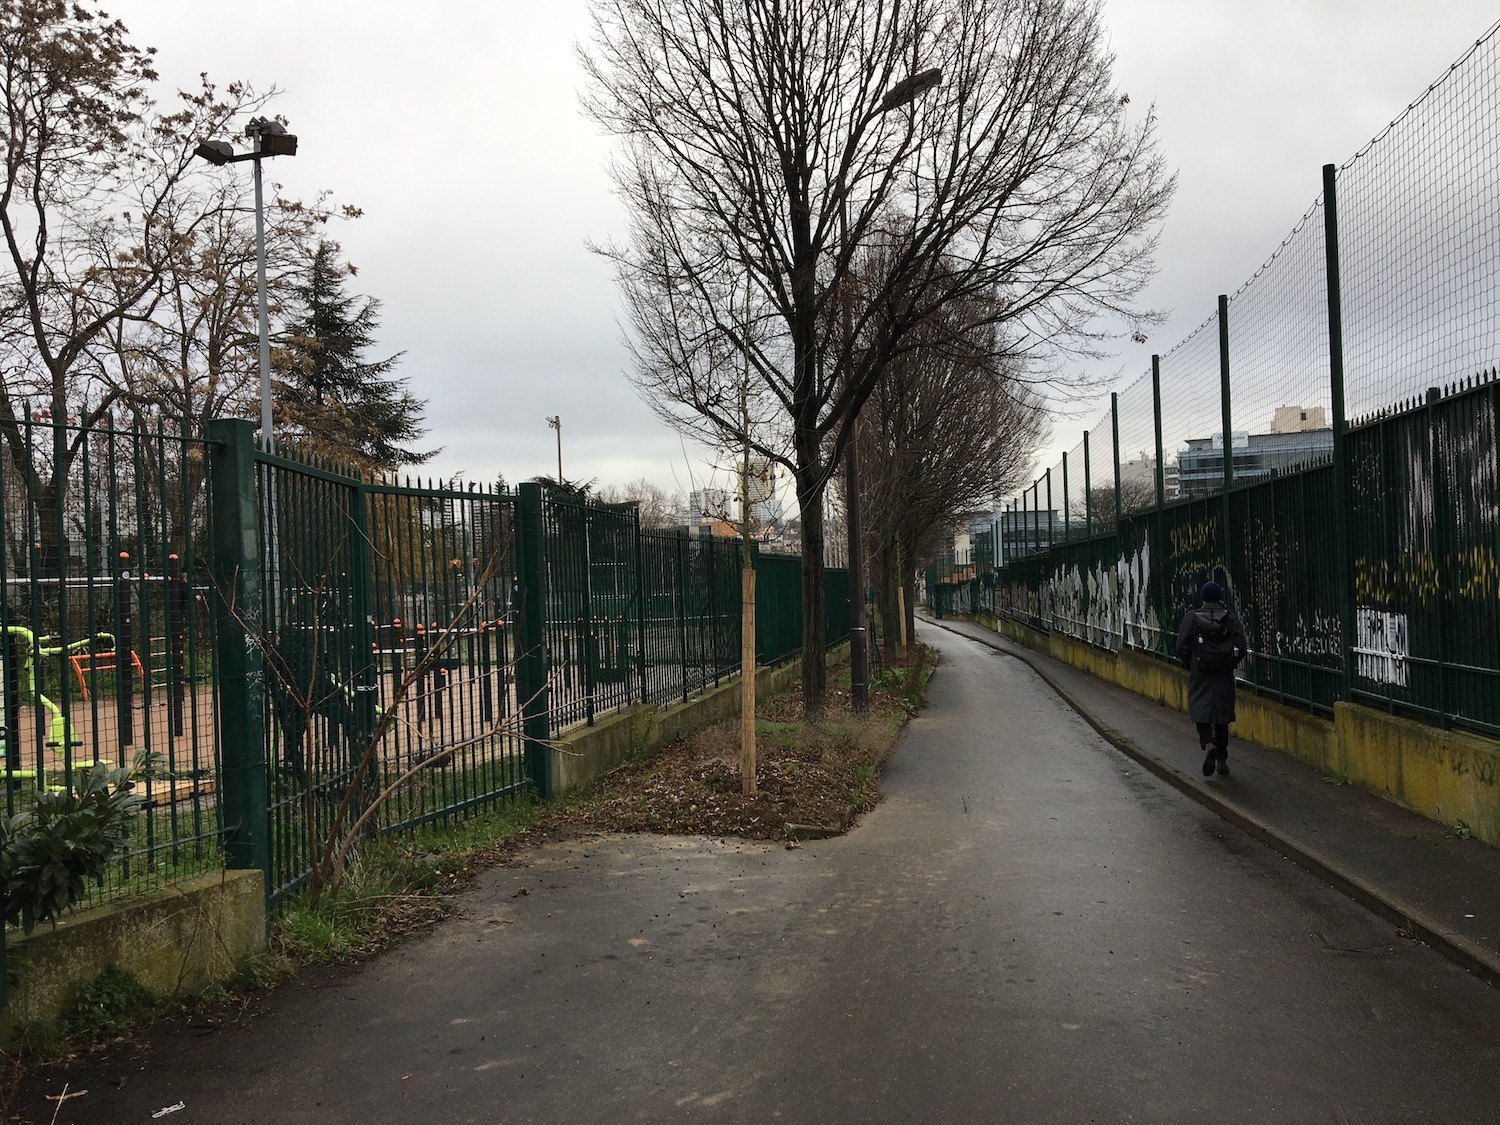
<point>333,400</point>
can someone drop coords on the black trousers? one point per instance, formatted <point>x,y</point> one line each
<point>1217,733</point>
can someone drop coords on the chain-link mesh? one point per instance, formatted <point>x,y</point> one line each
<point>1280,396</point>
<point>1137,446</point>
<point>1418,210</point>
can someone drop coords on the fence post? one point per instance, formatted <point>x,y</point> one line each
<point>681,600</point>
<point>640,600</point>
<point>1025,539</point>
<point>1161,468</point>
<point>1049,511</point>
<point>363,672</point>
<point>1226,538</point>
<point>1160,560</point>
<point>1067,504</point>
<point>235,557</point>
<point>1114,419</point>
<point>1440,547</point>
<point>531,640</point>
<point>1342,501</point>
<point>588,642</point>
<point>1088,491</point>
<point>124,645</point>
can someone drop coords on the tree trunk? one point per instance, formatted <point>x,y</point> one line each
<point>814,610</point>
<point>909,582</point>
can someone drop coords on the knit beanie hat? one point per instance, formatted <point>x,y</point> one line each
<point>1213,592</point>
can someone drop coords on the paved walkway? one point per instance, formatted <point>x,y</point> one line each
<point>1442,890</point>
<point>1029,928</point>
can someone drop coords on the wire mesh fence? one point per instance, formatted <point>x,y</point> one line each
<point>1361,572</point>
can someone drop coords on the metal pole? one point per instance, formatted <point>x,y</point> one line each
<point>1049,510</point>
<point>532,679</point>
<point>1342,498</point>
<point>1088,491</point>
<point>260,297</point>
<point>1114,417</point>
<point>1161,468</point>
<point>1067,513</point>
<point>1159,560</point>
<point>859,661</point>
<point>244,793</point>
<point>1226,539</point>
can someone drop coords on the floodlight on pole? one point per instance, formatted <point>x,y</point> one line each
<point>271,139</point>
<point>554,422</point>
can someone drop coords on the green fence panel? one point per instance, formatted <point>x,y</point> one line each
<point>107,628</point>
<point>1426,484</point>
<point>778,606</point>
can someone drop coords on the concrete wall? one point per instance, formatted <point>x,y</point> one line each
<point>177,942</point>
<point>582,754</point>
<point>1445,775</point>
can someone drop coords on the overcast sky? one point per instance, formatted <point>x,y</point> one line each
<point>455,125</point>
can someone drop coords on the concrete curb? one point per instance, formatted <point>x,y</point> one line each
<point>1410,920</point>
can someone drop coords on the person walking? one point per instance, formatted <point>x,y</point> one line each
<point>1211,643</point>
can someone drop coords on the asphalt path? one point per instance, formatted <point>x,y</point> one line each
<point>1028,928</point>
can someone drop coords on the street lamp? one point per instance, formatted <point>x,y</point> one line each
<point>271,139</point>
<point>902,93</point>
<point>554,422</point>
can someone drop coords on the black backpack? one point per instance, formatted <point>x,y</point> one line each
<point>1215,650</point>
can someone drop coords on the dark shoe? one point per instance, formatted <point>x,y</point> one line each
<point>1224,763</point>
<point>1210,752</point>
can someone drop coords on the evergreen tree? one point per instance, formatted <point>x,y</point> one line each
<point>332,399</point>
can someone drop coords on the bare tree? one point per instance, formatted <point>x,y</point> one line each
<point>766,143</point>
<point>94,174</point>
<point>1136,493</point>
<point>657,507</point>
<point>946,429</point>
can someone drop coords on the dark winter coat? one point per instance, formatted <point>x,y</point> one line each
<point>1210,694</point>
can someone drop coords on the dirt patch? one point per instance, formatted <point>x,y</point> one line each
<point>811,779</point>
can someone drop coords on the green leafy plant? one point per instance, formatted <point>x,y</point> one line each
<point>1460,829</point>
<point>112,1004</point>
<point>49,852</point>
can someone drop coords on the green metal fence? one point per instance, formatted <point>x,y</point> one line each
<point>1324,444</point>
<point>313,653</point>
<point>394,654</point>
<point>106,639</point>
<point>778,606</point>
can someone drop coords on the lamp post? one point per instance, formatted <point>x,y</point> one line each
<point>555,422</point>
<point>271,139</point>
<point>902,93</point>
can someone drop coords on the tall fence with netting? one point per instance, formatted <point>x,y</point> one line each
<point>1324,445</point>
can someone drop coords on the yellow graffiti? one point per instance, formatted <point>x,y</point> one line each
<point>1473,573</point>
<point>1476,574</point>
<point>1195,537</point>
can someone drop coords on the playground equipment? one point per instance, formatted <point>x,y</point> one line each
<point>26,649</point>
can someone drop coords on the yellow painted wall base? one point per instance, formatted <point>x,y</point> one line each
<point>1448,776</point>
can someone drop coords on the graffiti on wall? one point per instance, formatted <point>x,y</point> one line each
<point>1473,573</point>
<point>1108,605</point>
